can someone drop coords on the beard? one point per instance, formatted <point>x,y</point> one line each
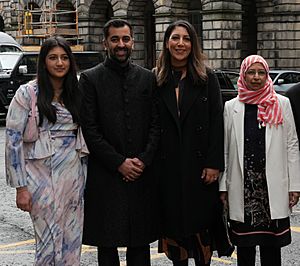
<point>121,59</point>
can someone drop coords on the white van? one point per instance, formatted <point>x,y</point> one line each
<point>8,43</point>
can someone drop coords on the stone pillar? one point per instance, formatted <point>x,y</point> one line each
<point>8,11</point>
<point>222,22</point>
<point>162,21</point>
<point>83,26</point>
<point>278,39</point>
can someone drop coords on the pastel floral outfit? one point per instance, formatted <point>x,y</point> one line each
<point>54,169</point>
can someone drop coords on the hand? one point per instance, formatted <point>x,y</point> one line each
<point>210,175</point>
<point>224,198</point>
<point>293,198</point>
<point>130,169</point>
<point>138,163</point>
<point>23,199</point>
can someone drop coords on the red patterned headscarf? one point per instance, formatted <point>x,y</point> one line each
<point>269,111</point>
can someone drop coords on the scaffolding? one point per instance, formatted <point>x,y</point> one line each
<point>47,20</point>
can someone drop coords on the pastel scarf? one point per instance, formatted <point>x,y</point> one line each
<point>269,110</point>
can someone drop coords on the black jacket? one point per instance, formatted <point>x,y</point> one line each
<point>293,94</point>
<point>119,121</point>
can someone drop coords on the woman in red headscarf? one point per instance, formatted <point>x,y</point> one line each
<point>261,180</point>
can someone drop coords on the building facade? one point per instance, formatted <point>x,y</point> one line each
<point>228,30</point>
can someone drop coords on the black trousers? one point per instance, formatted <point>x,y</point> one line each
<point>135,256</point>
<point>268,256</point>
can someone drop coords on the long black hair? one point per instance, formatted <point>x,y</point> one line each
<point>70,94</point>
<point>196,60</point>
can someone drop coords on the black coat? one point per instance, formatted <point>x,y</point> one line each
<point>119,121</point>
<point>293,94</point>
<point>188,144</point>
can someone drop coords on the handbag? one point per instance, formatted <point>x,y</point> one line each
<point>31,132</point>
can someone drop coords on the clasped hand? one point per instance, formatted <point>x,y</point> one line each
<point>131,169</point>
<point>23,199</point>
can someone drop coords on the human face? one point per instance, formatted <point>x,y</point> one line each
<point>256,76</point>
<point>179,45</point>
<point>57,63</point>
<point>119,43</point>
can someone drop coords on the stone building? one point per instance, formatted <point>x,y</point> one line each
<point>228,30</point>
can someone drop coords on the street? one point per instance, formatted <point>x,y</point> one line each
<point>17,243</point>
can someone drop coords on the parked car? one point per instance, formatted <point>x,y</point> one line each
<point>228,83</point>
<point>8,43</point>
<point>284,79</point>
<point>17,68</point>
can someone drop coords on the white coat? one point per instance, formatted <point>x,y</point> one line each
<point>282,160</point>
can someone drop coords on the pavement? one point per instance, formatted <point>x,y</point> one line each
<point>17,238</point>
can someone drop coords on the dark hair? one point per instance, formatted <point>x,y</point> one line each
<point>116,23</point>
<point>70,95</point>
<point>196,66</point>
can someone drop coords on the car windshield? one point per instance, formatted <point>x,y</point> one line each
<point>273,75</point>
<point>9,48</point>
<point>8,61</point>
<point>234,78</point>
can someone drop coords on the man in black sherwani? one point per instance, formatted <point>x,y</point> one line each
<point>119,122</point>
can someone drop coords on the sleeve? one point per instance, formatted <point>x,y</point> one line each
<point>91,128</point>
<point>154,130</point>
<point>293,153</point>
<point>16,120</point>
<point>223,177</point>
<point>215,155</point>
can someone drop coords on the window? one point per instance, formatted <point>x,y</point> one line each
<point>296,77</point>
<point>85,60</point>
<point>287,77</point>
<point>31,62</point>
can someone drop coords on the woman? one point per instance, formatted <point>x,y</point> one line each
<point>262,165</point>
<point>49,173</point>
<point>191,151</point>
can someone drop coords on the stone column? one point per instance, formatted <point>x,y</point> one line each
<point>222,23</point>
<point>83,25</point>
<point>278,39</point>
<point>8,11</point>
<point>162,21</point>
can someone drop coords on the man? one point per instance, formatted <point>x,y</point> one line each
<point>293,94</point>
<point>120,125</point>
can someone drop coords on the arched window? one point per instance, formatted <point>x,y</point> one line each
<point>249,29</point>
<point>100,11</point>
<point>195,17</point>
<point>140,15</point>
<point>1,24</point>
<point>149,36</point>
<point>65,15</point>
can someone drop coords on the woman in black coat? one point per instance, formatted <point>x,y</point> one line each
<point>191,150</point>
